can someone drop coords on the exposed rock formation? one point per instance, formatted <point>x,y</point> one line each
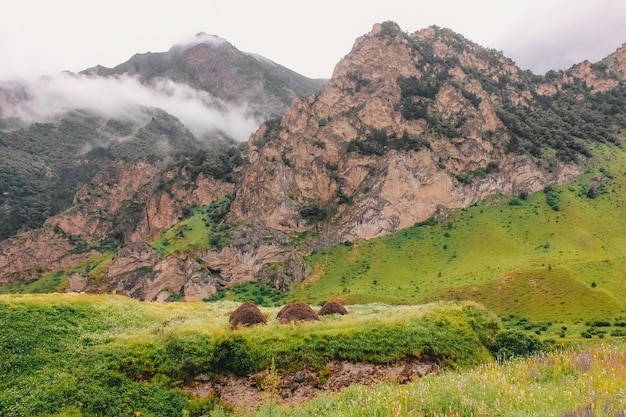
<point>95,205</point>
<point>408,127</point>
<point>26,256</point>
<point>319,153</point>
<point>140,272</point>
<point>127,197</point>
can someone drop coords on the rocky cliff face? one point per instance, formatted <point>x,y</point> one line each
<point>367,147</point>
<point>408,127</point>
<point>26,256</point>
<point>131,203</point>
<point>125,200</point>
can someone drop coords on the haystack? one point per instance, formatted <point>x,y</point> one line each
<point>332,307</point>
<point>297,311</point>
<point>247,314</point>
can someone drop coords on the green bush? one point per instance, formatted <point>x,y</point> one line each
<point>314,213</point>
<point>515,343</point>
<point>378,142</point>
<point>552,197</point>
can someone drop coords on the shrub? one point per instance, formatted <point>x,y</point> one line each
<point>378,142</point>
<point>313,213</point>
<point>552,197</point>
<point>514,343</point>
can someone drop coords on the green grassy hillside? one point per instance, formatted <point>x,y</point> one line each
<point>72,355</point>
<point>554,255</point>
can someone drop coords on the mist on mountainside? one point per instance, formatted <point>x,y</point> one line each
<point>122,97</point>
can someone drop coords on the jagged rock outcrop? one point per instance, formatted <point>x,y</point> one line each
<point>140,272</point>
<point>165,209</point>
<point>329,147</point>
<point>253,248</point>
<point>127,200</point>
<point>28,255</point>
<point>95,205</point>
<point>174,276</point>
<point>132,203</point>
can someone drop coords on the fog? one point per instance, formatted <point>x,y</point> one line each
<point>124,97</point>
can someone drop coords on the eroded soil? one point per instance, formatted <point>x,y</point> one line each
<point>248,393</point>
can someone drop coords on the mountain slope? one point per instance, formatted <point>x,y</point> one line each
<point>412,123</point>
<point>57,132</point>
<point>408,128</point>
<point>44,164</point>
<point>212,64</point>
<point>550,255</point>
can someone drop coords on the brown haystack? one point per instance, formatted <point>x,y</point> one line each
<point>297,311</point>
<point>332,307</point>
<point>247,314</point>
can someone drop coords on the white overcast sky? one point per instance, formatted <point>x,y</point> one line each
<point>47,36</point>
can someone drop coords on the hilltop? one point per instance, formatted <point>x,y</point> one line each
<point>210,63</point>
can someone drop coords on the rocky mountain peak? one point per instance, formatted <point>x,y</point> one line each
<point>620,57</point>
<point>399,132</point>
<point>212,64</point>
<point>202,37</point>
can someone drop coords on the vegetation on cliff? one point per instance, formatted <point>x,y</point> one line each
<point>43,165</point>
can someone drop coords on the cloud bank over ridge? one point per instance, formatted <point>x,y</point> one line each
<point>123,97</point>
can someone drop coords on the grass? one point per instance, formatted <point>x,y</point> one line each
<point>516,256</point>
<point>191,233</point>
<point>260,293</point>
<point>204,227</point>
<point>78,354</point>
<point>71,355</point>
<point>577,382</point>
<point>47,283</point>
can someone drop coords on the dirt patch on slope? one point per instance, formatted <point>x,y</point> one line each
<point>248,393</point>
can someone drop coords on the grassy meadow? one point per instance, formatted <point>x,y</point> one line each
<point>586,382</point>
<point>104,355</point>
<point>191,233</point>
<point>74,355</point>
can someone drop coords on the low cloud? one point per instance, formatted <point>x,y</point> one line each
<point>123,97</point>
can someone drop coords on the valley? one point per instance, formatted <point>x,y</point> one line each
<point>469,215</point>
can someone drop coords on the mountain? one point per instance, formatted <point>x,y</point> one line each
<point>409,127</point>
<point>57,132</point>
<point>409,124</point>
<point>212,64</point>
